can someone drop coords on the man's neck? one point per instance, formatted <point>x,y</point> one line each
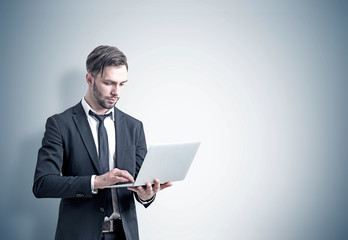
<point>95,107</point>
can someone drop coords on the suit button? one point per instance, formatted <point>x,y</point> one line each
<point>102,209</point>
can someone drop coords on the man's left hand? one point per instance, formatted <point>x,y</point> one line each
<point>147,192</point>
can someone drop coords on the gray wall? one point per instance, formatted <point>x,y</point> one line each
<point>262,85</point>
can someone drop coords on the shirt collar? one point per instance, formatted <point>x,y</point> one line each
<point>86,108</point>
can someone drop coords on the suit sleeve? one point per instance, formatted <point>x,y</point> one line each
<point>48,179</point>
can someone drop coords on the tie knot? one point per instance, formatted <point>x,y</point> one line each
<point>100,118</point>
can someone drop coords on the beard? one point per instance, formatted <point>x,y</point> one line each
<point>102,101</point>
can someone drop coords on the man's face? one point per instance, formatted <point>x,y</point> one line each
<point>107,89</point>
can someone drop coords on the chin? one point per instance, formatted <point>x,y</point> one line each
<point>109,106</point>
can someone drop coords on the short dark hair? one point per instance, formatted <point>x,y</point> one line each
<point>104,56</point>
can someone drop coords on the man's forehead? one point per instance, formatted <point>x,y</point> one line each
<point>118,73</point>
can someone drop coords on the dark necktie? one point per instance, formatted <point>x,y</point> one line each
<point>103,144</point>
<point>103,147</point>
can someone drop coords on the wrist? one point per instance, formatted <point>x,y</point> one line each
<point>146,201</point>
<point>97,182</point>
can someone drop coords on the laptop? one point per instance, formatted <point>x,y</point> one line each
<point>166,162</point>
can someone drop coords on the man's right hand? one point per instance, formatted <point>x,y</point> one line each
<point>112,177</point>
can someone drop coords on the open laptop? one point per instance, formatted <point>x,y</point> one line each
<point>166,162</point>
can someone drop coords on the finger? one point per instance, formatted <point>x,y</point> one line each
<point>156,181</point>
<point>134,189</point>
<point>147,190</point>
<point>121,179</point>
<point>156,186</point>
<point>165,185</point>
<point>123,174</point>
<point>148,187</point>
<point>139,189</point>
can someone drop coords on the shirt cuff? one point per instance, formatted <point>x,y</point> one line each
<point>94,191</point>
<point>148,201</point>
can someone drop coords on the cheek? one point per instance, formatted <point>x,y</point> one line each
<point>104,90</point>
<point>108,89</point>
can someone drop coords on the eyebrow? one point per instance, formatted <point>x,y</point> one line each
<point>109,80</point>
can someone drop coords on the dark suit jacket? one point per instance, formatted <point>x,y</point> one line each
<point>67,160</point>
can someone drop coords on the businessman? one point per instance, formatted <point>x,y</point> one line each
<point>90,146</point>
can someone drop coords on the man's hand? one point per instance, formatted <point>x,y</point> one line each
<point>112,177</point>
<point>147,192</point>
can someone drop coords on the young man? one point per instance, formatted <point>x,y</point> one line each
<point>90,146</point>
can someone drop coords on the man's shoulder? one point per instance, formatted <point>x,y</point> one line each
<point>122,115</point>
<point>66,114</point>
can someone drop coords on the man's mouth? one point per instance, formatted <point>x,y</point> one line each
<point>113,99</point>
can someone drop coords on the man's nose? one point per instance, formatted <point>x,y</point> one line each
<point>115,90</point>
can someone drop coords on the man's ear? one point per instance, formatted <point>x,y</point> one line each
<point>89,79</point>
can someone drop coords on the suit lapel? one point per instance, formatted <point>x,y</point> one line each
<point>84,129</point>
<point>120,137</point>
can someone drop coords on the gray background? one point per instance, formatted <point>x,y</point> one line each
<point>261,83</point>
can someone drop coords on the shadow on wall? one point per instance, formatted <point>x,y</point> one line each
<point>73,88</point>
<point>28,217</point>
<point>24,216</point>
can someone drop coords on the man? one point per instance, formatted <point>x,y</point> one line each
<point>90,146</point>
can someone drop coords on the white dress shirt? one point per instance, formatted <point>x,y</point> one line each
<point>110,129</point>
